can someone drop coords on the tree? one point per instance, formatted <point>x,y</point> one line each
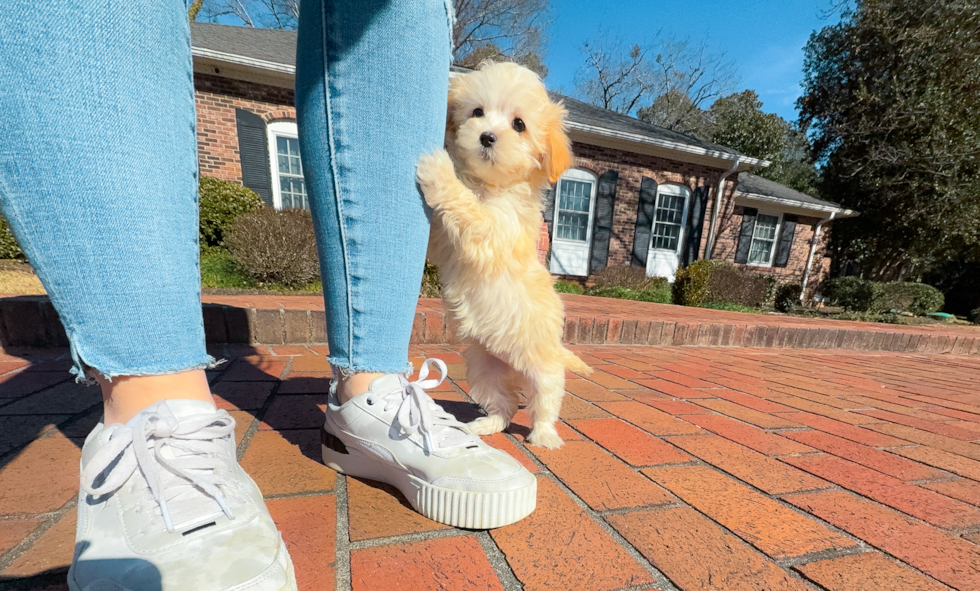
<point>892,105</point>
<point>628,78</point>
<point>490,51</point>
<point>738,122</point>
<point>266,14</point>
<point>514,28</point>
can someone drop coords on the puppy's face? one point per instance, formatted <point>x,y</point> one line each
<point>503,129</point>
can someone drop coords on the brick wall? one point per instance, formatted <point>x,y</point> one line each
<point>217,131</point>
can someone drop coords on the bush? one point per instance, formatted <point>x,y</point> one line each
<point>787,296</point>
<point>431,285</point>
<point>220,202</point>
<point>627,276</point>
<point>854,293</point>
<point>772,284</point>
<point>9,248</point>
<point>918,298</point>
<point>737,286</point>
<point>566,287</point>
<point>692,283</point>
<point>974,316</point>
<point>275,246</point>
<point>219,269</point>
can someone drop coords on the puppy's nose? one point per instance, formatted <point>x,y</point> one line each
<point>487,138</point>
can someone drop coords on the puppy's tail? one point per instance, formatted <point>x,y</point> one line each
<point>573,363</point>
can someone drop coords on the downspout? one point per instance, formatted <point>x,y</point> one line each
<point>813,251</point>
<point>717,208</point>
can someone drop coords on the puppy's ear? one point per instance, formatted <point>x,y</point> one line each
<point>454,90</point>
<point>558,157</point>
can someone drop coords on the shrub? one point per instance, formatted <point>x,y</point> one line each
<point>854,293</point>
<point>219,269</point>
<point>275,246</point>
<point>772,284</point>
<point>431,285</point>
<point>627,276</point>
<point>566,287</point>
<point>859,316</point>
<point>220,202</point>
<point>9,248</point>
<point>918,298</point>
<point>692,283</point>
<point>974,316</point>
<point>659,295</point>
<point>737,286</point>
<point>787,296</point>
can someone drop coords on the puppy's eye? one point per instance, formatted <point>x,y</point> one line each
<point>478,112</point>
<point>518,125</point>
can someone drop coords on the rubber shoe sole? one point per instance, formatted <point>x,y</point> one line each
<point>458,508</point>
<point>282,559</point>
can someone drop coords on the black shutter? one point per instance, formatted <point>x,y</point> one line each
<point>695,221</point>
<point>745,236</point>
<point>603,221</point>
<point>645,210</point>
<point>253,151</point>
<point>548,211</point>
<point>785,244</point>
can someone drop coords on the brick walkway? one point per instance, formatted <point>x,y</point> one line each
<point>684,468</point>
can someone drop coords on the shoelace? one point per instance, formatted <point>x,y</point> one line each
<point>417,412</point>
<point>140,445</point>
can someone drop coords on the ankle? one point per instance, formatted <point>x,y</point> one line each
<point>124,397</point>
<point>351,386</point>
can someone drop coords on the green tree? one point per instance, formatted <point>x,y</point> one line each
<point>892,104</point>
<point>738,122</point>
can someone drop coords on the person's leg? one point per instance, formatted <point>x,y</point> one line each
<point>371,98</point>
<point>98,179</point>
<point>371,88</point>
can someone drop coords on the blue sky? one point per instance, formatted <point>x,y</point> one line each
<point>764,38</point>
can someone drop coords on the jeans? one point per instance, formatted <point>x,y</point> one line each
<point>98,170</point>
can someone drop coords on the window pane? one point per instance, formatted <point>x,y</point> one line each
<point>667,222</point>
<point>572,226</point>
<point>575,195</point>
<point>760,251</point>
<point>292,189</point>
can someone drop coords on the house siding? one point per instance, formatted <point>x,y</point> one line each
<point>218,97</point>
<point>217,131</point>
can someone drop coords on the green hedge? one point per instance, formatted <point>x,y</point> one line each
<point>9,248</point>
<point>220,203</point>
<point>709,281</point>
<point>917,298</point>
<point>787,296</point>
<point>974,316</point>
<point>861,295</point>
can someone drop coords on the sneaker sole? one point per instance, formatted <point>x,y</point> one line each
<point>283,558</point>
<point>458,508</point>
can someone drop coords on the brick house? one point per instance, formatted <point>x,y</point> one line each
<point>638,194</point>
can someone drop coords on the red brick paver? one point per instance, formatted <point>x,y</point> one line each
<point>701,468</point>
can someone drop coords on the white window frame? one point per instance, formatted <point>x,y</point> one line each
<point>674,190</point>
<point>576,174</point>
<point>775,241</point>
<point>287,129</point>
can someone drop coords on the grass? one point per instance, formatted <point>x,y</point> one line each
<point>661,294</point>
<point>731,307</point>
<point>220,271</point>
<point>566,287</point>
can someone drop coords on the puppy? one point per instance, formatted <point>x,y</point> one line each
<point>506,144</point>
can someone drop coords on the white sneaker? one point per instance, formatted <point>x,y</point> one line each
<point>165,506</point>
<point>395,433</point>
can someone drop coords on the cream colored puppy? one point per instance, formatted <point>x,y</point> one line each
<point>505,145</point>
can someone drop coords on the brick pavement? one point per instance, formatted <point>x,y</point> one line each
<point>684,468</point>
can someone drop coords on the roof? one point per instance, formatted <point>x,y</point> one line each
<point>755,187</point>
<point>274,50</point>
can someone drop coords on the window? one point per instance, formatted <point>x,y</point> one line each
<point>668,221</point>
<point>288,186</point>
<point>573,209</point>
<point>763,240</point>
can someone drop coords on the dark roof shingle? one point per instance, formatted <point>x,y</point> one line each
<point>750,184</point>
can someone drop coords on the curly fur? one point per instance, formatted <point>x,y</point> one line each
<point>487,208</point>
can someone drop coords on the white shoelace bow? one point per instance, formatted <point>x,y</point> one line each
<point>140,445</point>
<point>418,413</point>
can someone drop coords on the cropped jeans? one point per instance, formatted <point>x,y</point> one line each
<point>99,170</point>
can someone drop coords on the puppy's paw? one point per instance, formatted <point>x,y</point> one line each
<point>546,437</point>
<point>487,425</point>
<point>435,172</point>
